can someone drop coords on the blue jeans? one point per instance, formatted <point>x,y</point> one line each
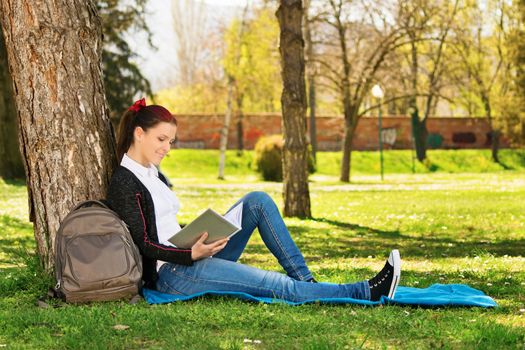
<point>224,273</point>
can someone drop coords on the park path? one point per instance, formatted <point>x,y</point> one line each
<point>493,182</point>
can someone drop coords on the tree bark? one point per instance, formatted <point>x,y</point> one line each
<point>11,165</point>
<point>293,101</point>
<point>66,137</point>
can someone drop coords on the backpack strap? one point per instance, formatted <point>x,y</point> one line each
<point>90,203</point>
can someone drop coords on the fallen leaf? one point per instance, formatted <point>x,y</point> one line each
<point>120,327</point>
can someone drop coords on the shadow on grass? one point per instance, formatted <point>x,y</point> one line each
<point>15,246</point>
<point>15,182</point>
<point>363,241</point>
<point>505,166</point>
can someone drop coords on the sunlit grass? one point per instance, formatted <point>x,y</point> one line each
<point>191,166</point>
<point>450,228</point>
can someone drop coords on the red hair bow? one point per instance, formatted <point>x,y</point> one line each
<point>138,105</point>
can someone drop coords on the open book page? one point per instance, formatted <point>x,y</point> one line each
<point>235,215</point>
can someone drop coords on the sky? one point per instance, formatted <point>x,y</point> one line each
<point>159,65</point>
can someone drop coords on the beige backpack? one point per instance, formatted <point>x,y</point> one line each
<point>95,257</point>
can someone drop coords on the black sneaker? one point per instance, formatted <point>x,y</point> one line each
<point>386,281</point>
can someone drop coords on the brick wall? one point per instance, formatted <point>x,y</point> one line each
<point>203,131</point>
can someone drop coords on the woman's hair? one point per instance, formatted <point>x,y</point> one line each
<point>144,116</point>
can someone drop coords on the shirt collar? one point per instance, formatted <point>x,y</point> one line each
<point>138,168</point>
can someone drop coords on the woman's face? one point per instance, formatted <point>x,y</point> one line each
<point>155,143</point>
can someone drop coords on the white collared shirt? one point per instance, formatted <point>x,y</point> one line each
<point>165,201</point>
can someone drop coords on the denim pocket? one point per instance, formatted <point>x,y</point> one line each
<point>164,287</point>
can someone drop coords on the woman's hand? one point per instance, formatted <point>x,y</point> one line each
<point>201,250</point>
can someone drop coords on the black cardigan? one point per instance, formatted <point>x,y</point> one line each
<point>132,201</point>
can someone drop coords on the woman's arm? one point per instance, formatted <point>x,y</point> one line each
<point>128,202</point>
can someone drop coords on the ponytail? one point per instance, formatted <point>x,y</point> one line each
<point>125,133</point>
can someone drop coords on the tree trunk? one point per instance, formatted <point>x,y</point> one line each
<point>293,101</point>
<point>11,165</point>
<point>348,107</point>
<point>349,130</point>
<point>66,137</point>
<point>495,137</point>
<point>313,127</point>
<point>420,133</point>
<point>225,128</point>
<point>240,128</point>
<point>494,134</point>
<point>419,127</point>
<point>310,72</point>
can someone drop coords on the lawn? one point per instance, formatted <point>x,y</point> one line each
<point>455,223</point>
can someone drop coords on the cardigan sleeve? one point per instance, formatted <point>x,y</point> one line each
<point>129,203</point>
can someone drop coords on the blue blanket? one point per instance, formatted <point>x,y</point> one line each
<point>435,295</point>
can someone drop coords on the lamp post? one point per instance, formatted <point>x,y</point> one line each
<point>377,92</point>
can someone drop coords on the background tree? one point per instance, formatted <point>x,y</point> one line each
<point>310,75</point>
<point>482,62</point>
<point>352,55</point>
<point>235,68</point>
<point>189,24</point>
<point>66,138</point>
<point>199,85</point>
<point>252,59</point>
<point>293,101</point>
<point>229,107</point>
<point>11,165</point>
<point>123,79</point>
<point>512,104</point>
<point>427,24</point>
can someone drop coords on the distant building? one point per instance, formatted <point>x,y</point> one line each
<point>203,132</point>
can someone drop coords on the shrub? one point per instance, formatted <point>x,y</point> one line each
<point>268,158</point>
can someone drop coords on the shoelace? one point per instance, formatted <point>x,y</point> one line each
<point>382,279</point>
<point>381,276</point>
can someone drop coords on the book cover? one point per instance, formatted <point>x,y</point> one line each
<point>217,226</point>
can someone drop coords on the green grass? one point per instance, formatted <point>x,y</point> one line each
<point>189,165</point>
<point>450,228</point>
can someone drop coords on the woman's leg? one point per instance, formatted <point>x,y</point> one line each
<point>215,274</point>
<point>259,210</point>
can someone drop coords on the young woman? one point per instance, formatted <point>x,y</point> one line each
<point>140,195</point>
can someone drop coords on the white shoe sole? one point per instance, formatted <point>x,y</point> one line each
<point>395,260</point>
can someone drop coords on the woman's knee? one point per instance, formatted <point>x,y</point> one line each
<point>258,197</point>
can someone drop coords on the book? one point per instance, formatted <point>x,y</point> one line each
<point>218,226</point>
